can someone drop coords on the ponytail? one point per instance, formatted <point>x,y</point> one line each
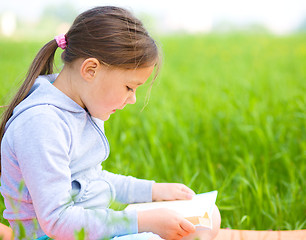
<point>41,65</point>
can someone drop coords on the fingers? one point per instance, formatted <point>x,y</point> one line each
<point>187,227</point>
<point>171,191</point>
<point>187,189</point>
<point>184,192</point>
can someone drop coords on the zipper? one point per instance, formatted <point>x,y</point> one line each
<point>106,145</point>
<point>103,137</point>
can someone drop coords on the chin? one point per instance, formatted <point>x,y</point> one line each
<point>105,118</point>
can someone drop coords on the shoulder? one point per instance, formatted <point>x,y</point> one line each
<point>41,111</point>
<point>40,114</point>
<point>41,120</point>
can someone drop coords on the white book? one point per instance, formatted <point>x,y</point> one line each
<point>197,210</point>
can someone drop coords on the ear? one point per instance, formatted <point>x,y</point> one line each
<point>89,69</point>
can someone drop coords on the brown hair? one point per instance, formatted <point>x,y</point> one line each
<point>110,34</point>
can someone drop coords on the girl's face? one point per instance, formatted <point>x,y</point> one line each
<point>112,89</point>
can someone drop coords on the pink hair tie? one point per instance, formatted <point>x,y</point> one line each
<point>61,41</point>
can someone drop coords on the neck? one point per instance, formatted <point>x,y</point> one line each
<point>66,82</point>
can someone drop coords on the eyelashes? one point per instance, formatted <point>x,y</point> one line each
<point>130,89</point>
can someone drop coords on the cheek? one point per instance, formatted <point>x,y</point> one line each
<point>113,99</point>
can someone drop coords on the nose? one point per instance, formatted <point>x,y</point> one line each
<point>131,99</point>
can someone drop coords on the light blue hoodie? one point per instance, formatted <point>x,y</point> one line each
<point>56,148</point>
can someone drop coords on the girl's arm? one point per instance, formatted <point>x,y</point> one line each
<point>42,144</point>
<point>166,223</point>
<point>133,190</point>
<point>130,189</point>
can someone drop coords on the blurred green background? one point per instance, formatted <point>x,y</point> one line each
<point>227,113</point>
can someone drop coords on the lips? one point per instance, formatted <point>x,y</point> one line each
<point>117,109</point>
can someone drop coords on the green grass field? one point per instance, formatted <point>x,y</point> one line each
<point>227,113</point>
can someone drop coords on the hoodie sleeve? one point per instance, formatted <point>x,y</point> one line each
<point>129,189</point>
<point>42,146</point>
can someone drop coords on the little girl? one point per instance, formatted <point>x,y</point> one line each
<point>53,140</point>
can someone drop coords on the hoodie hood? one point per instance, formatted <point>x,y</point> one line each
<point>44,93</point>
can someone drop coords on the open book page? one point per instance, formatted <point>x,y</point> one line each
<point>198,210</point>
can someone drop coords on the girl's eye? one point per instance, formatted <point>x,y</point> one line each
<point>130,89</point>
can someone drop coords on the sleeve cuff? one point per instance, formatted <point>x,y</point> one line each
<point>129,224</point>
<point>142,191</point>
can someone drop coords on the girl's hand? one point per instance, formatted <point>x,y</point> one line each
<point>171,191</point>
<point>166,223</point>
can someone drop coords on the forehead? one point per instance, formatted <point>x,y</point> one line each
<point>135,76</point>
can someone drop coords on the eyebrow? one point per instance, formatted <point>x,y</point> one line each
<point>136,83</point>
